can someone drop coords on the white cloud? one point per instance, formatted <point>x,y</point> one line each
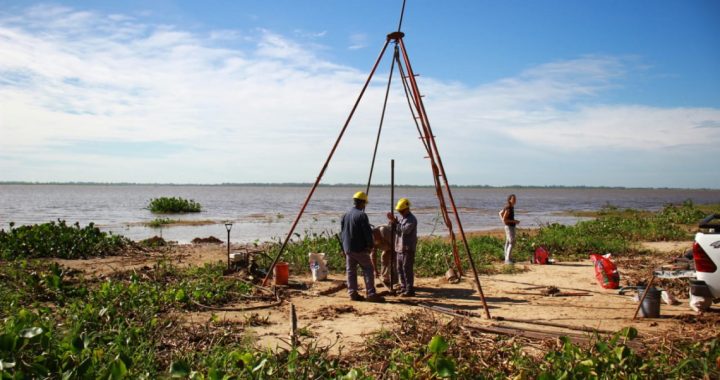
<point>358,41</point>
<point>271,109</point>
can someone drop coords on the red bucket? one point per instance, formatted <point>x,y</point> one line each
<point>282,272</point>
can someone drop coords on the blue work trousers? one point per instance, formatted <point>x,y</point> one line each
<point>406,273</point>
<point>352,260</point>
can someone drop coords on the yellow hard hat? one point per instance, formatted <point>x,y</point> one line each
<point>402,204</point>
<point>361,196</point>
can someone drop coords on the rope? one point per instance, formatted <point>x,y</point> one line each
<point>382,119</point>
<point>402,12</point>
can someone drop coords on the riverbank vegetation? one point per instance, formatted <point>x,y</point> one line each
<point>61,323</point>
<point>58,239</point>
<point>613,231</point>
<point>58,324</point>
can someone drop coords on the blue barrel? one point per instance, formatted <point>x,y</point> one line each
<point>650,307</point>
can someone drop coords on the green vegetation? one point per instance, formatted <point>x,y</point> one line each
<point>55,323</point>
<point>173,205</point>
<point>613,231</point>
<point>58,240</point>
<point>430,349</point>
<point>159,222</point>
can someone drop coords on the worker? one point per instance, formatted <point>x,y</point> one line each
<point>357,241</point>
<point>383,243</point>
<point>405,245</point>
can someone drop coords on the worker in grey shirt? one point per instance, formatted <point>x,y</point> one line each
<point>357,241</point>
<point>405,246</point>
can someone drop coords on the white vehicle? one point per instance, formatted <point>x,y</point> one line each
<point>706,254</point>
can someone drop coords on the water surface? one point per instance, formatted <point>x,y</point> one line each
<point>261,213</point>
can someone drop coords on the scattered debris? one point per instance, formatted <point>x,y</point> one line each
<point>207,240</point>
<point>154,242</point>
<point>333,311</point>
<point>550,291</point>
<point>452,277</point>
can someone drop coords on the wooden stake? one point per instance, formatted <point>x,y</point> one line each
<point>643,296</point>
<point>293,326</point>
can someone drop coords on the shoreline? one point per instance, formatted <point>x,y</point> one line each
<point>351,185</point>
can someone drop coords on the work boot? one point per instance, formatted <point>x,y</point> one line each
<point>356,297</point>
<point>375,298</point>
<point>410,293</point>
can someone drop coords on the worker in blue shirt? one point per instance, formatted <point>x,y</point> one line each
<point>357,241</point>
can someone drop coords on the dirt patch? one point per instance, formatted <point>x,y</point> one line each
<point>669,247</point>
<point>326,313</point>
<point>207,240</point>
<point>336,321</point>
<point>181,255</point>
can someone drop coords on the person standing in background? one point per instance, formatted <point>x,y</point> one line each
<point>508,217</point>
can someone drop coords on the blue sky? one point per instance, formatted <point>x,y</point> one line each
<point>595,93</point>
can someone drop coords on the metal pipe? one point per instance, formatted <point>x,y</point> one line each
<point>431,138</point>
<point>327,162</point>
<point>393,257</point>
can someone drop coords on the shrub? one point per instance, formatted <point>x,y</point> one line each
<point>168,205</point>
<point>58,240</point>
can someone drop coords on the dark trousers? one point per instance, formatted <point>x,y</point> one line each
<point>405,264</point>
<point>352,260</point>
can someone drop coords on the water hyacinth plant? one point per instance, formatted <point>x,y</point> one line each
<point>58,240</point>
<point>173,205</point>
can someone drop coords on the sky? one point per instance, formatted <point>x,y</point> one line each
<point>535,93</point>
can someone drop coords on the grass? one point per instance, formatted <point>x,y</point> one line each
<point>613,231</point>
<point>173,205</point>
<point>159,222</point>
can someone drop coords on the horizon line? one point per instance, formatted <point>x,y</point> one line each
<point>307,184</point>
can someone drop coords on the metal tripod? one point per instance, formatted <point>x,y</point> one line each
<point>417,108</point>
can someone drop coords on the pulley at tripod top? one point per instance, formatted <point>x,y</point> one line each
<point>395,36</point>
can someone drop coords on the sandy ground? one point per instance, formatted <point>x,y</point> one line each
<point>336,321</point>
